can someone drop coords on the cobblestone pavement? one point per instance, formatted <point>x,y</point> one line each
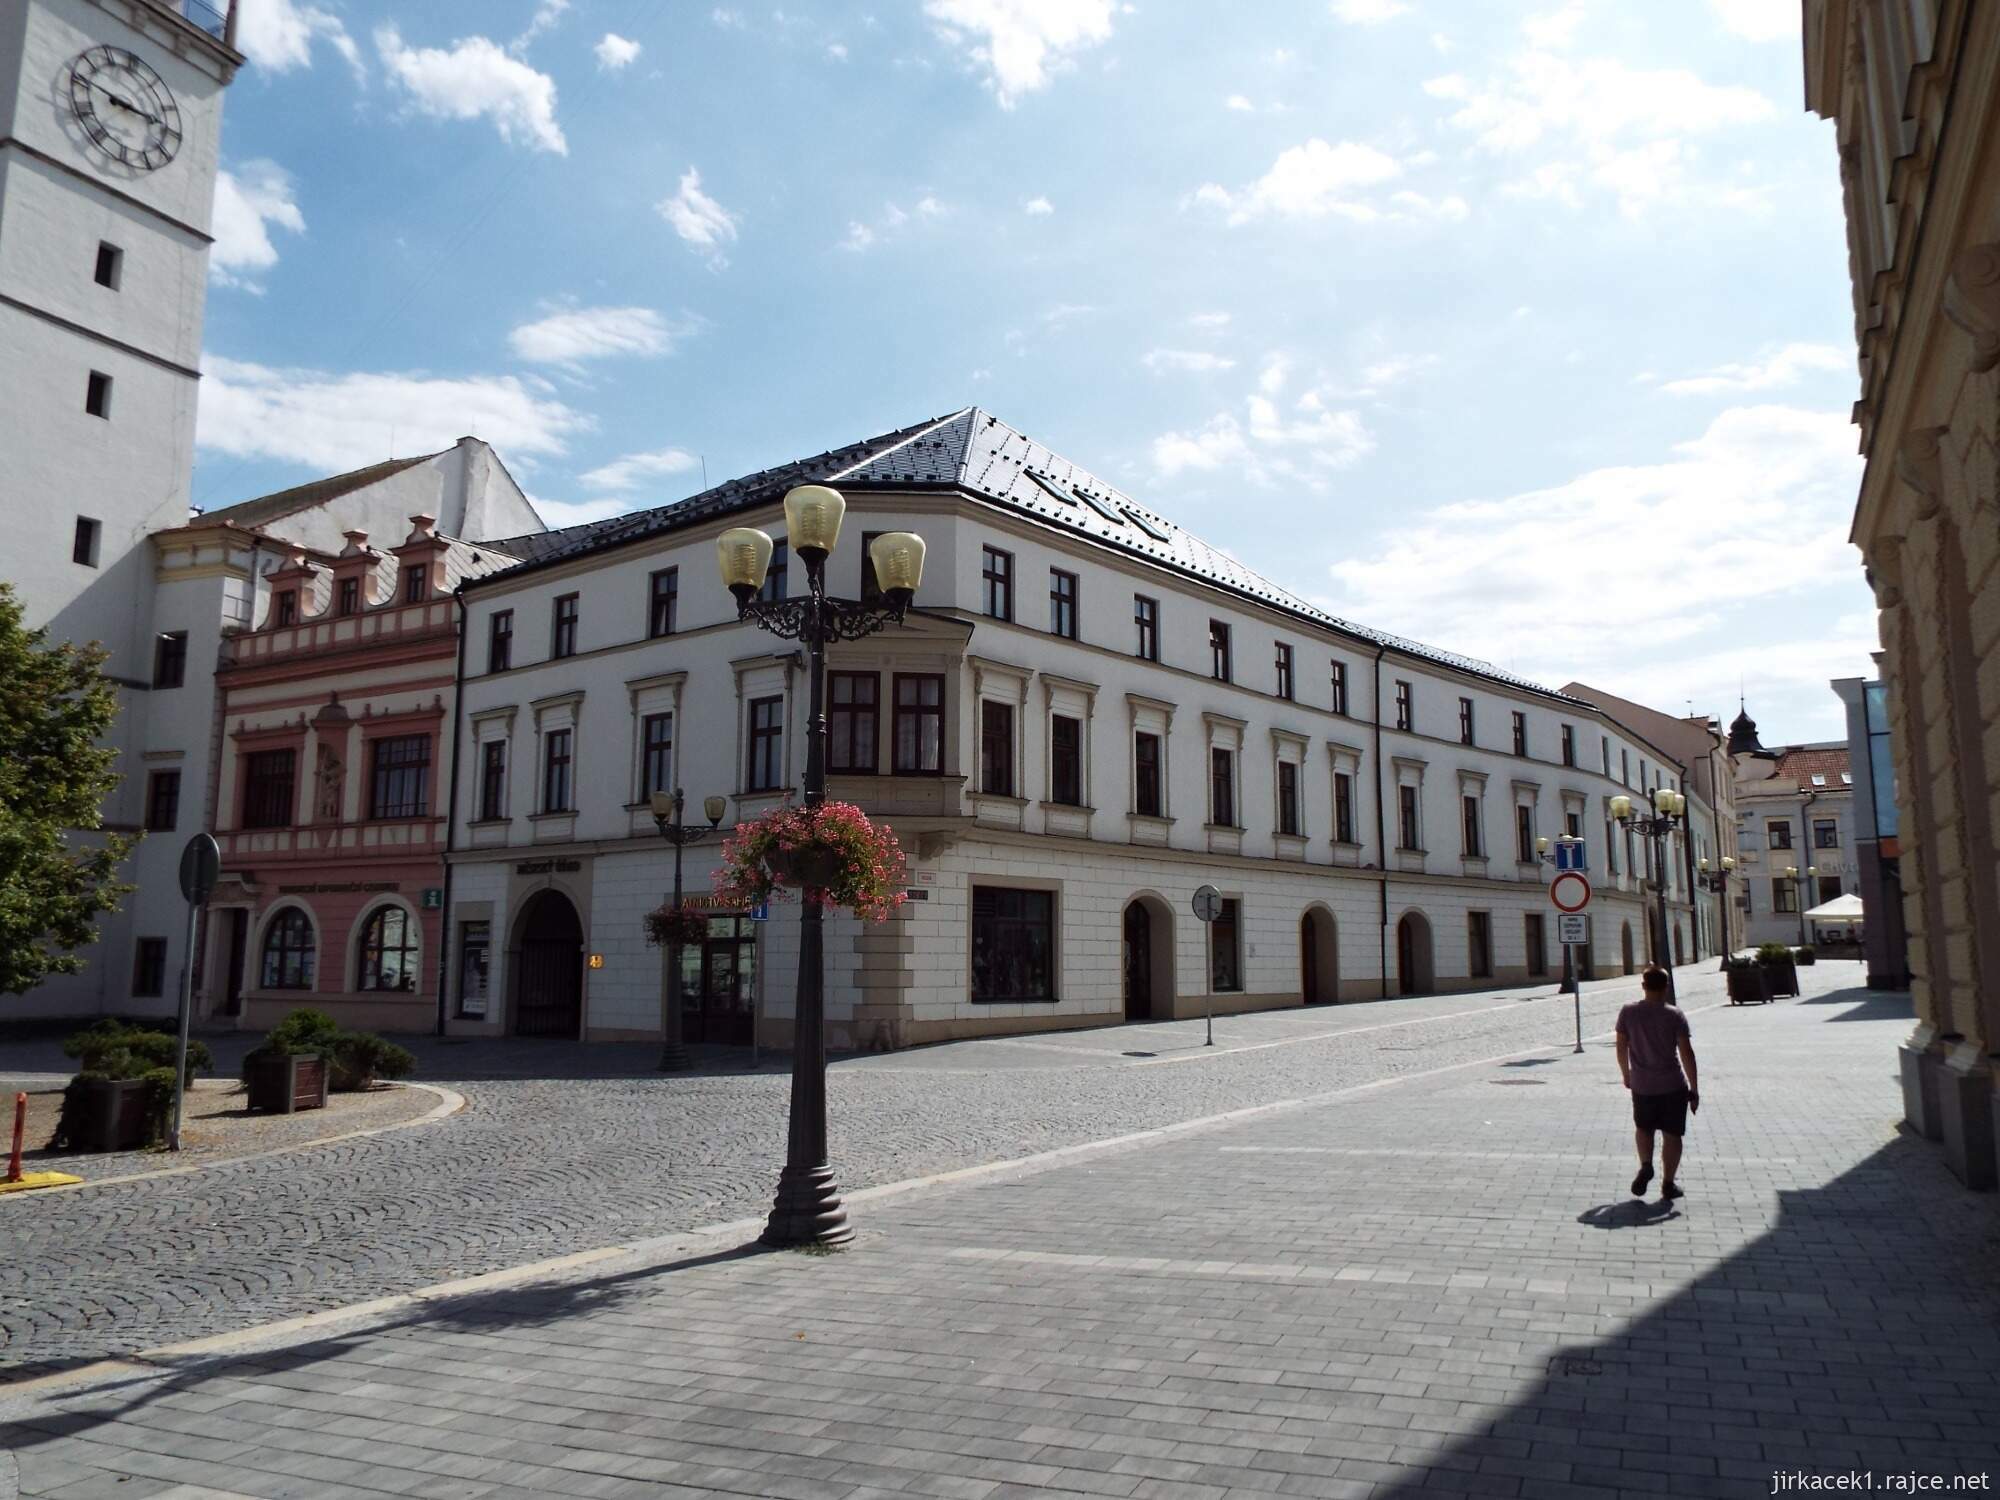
<point>594,1149</point>
<point>1438,1285</point>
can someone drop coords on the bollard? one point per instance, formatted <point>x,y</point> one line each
<point>20,1129</point>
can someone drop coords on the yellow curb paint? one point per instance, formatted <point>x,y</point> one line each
<point>29,1180</point>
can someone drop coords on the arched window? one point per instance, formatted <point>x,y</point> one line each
<point>288,952</point>
<point>389,951</point>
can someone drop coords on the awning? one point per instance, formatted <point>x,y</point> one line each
<point>1840,909</point>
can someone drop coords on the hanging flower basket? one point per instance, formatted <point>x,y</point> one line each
<point>831,854</point>
<point>669,924</point>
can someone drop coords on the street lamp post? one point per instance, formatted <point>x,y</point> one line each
<point>1717,881</point>
<point>673,1051</point>
<point>1669,813</point>
<point>808,1210</point>
<point>1805,881</point>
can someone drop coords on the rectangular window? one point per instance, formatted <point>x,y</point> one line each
<point>170,659</point>
<point>1610,850</point>
<point>1538,946</point>
<point>1784,895</point>
<point>500,641</point>
<point>415,585</point>
<point>149,968</point>
<point>996,575</point>
<point>493,779</point>
<point>400,785</point>
<point>1475,846</point>
<point>1285,671</point>
<point>1343,807</point>
<point>1222,787</point>
<point>1219,666</point>
<point>1479,944</point>
<point>288,608</point>
<point>1465,721</point>
<point>1569,744</point>
<point>1225,949</point>
<point>1013,946</point>
<point>563,631</point>
<point>656,754</point>
<point>475,946</point>
<point>1066,760</point>
<point>1605,746</point>
<point>267,789</point>
<point>767,745</point>
<point>163,801</point>
<point>1146,614</point>
<point>1524,833</point>
<point>1340,688</point>
<point>1288,797</point>
<point>1625,766</point>
<point>919,725</point>
<point>1826,833</point>
<point>1829,888</point>
<point>996,748</point>
<point>777,576</point>
<point>349,595</point>
<point>110,265</point>
<point>97,395</point>
<point>1406,820</point>
<point>1146,783</point>
<point>1520,733</point>
<point>1405,717</point>
<point>83,548</point>
<point>663,595</point>
<point>1573,824</point>
<point>1062,603</point>
<point>1779,835</point>
<point>853,711</point>
<point>556,769</point>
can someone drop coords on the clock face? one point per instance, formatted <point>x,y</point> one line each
<point>125,108</point>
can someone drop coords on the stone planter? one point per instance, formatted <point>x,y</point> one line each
<point>1747,987</point>
<point>287,1084</point>
<point>109,1114</point>
<point>1781,975</point>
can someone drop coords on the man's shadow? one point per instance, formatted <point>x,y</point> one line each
<point>1632,1213</point>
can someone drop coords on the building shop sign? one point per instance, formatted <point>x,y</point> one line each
<point>341,888</point>
<point>548,866</point>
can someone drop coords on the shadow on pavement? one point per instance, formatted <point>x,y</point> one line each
<point>1632,1213</point>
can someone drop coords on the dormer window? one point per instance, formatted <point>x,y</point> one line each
<point>350,596</point>
<point>414,585</point>
<point>288,608</point>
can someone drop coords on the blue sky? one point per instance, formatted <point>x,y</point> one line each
<point>1523,330</point>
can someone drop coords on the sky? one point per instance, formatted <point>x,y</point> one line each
<point>1522,330</point>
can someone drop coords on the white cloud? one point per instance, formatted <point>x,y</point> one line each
<point>1309,181</point>
<point>615,53</point>
<point>1782,367</point>
<point>1020,44</point>
<point>727,19</point>
<point>702,223</point>
<point>1367,12</point>
<point>1037,207</point>
<point>573,334</point>
<point>547,14</point>
<point>1209,322</point>
<point>1759,20</point>
<point>862,236</point>
<point>634,469</point>
<point>1238,103</point>
<point>859,236</point>
<point>334,421</point>
<point>278,35</point>
<point>837,51</point>
<point>248,202</point>
<point>1189,361</point>
<point>561,513</point>
<point>475,78</point>
<point>1268,444</point>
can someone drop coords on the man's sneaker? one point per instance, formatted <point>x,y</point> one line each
<point>1670,1190</point>
<point>1639,1183</point>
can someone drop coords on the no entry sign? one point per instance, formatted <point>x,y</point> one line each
<point>1570,891</point>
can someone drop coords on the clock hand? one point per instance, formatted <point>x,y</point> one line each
<point>125,104</point>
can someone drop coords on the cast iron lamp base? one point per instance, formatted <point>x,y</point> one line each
<point>808,1210</point>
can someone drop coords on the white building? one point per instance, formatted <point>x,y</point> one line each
<point>1089,714</point>
<point>1795,810</point>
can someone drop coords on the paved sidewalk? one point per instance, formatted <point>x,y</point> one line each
<point>1436,1284</point>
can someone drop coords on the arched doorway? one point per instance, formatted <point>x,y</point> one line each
<point>1147,959</point>
<point>548,988</point>
<point>1319,957</point>
<point>1625,946</point>
<point>1413,955</point>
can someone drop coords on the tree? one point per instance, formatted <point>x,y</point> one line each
<point>55,876</point>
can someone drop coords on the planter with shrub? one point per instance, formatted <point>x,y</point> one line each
<point>123,1093</point>
<point>1745,978</point>
<point>1781,971</point>
<point>307,1054</point>
<point>1804,956</point>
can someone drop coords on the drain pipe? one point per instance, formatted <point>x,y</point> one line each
<point>1381,830</point>
<point>451,810</point>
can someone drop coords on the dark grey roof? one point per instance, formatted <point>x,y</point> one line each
<point>977,453</point>
<point>300,497</point>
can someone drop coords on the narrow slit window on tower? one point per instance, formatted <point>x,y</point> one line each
<point>110,264</point>
<point>84,549</point>
<point>97,395</point>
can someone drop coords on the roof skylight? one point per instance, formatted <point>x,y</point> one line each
<point>1055,490</point>
<point>1144,525</point>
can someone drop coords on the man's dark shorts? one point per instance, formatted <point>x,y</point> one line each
<point>1663,1112</point>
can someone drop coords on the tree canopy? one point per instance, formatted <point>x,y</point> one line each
<point>57,870</point>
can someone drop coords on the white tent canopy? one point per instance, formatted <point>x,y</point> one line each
<point>1840,909</point>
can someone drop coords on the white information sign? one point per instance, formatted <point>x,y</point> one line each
<point>1572,929</point>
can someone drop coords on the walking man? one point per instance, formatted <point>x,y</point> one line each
<point>1654,1045</point>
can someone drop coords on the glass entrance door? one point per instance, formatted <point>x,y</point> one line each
<point>719,984</point>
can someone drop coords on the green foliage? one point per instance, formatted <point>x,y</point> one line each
<point>1774,953</point>
<point>359,1059</point>
<point>1735,965</point>
<point>304,1030</point>
<point>56,706</point>
<point>113,1049</point>
<point>1805,956</point>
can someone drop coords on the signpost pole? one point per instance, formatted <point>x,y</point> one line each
<point>1207,906</point>
<point>201,865</point>
<point>1576,992</point>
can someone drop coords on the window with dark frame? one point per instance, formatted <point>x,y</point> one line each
<point>348,595</point>
<point>1066,760</point>
<point>1013,946</point>
<point>1062,603</point>
<point>83,548</point>
<point>163,801</point>
<point>1784,896</point>
<point>1225,948</point>
<point>1219,666</point>
<point>1604,745</point>
<point>400,777</point>
<point>110,265</point>
<point>1520,733</point>
<point>767,745</point>
<point>919,724</point>
<point>288,958</point>
<point>777,577</point>
<point>389,958</point>
<point>1284,669</point>
<point>1146,615</point>
<point>1573,823</point>
<point>1474,834</point>
<point>149,968</point>
<point>1569,744</point>
<point>1343,808</point>
<point>268,783</point>
<point>288,608</point>
<point>996,577</point>
<point>170,652</point>
<point>1340,688</point>
<point>996,748</point>
<point>656,754</point>
<point>97,395</point>
<point>1465,721</point>
<point>852,718</point>
<point>1146,780</point>
<point>1406,822</point>
<point>1221,787</point>
<point>500,641</point>
<point>1778,835</point>
<point>416,586</point>
<point>1538,949</point>
<point>1404,719</point>
<point>1288,797</point>
<point>1610,850</point>
<point>493,780</point>
<point>663,593</point>
<point>562,641</point>
<point>1829,889</point>
<point>475,948</point>
<point>1524,833</point>
<point>557,765</point>
<point>1479,943</point>
<point>1826,833</point>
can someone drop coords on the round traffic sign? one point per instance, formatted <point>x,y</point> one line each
<point>1569,891</point>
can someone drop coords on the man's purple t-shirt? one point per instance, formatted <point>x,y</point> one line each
<point>1653,1032</point>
